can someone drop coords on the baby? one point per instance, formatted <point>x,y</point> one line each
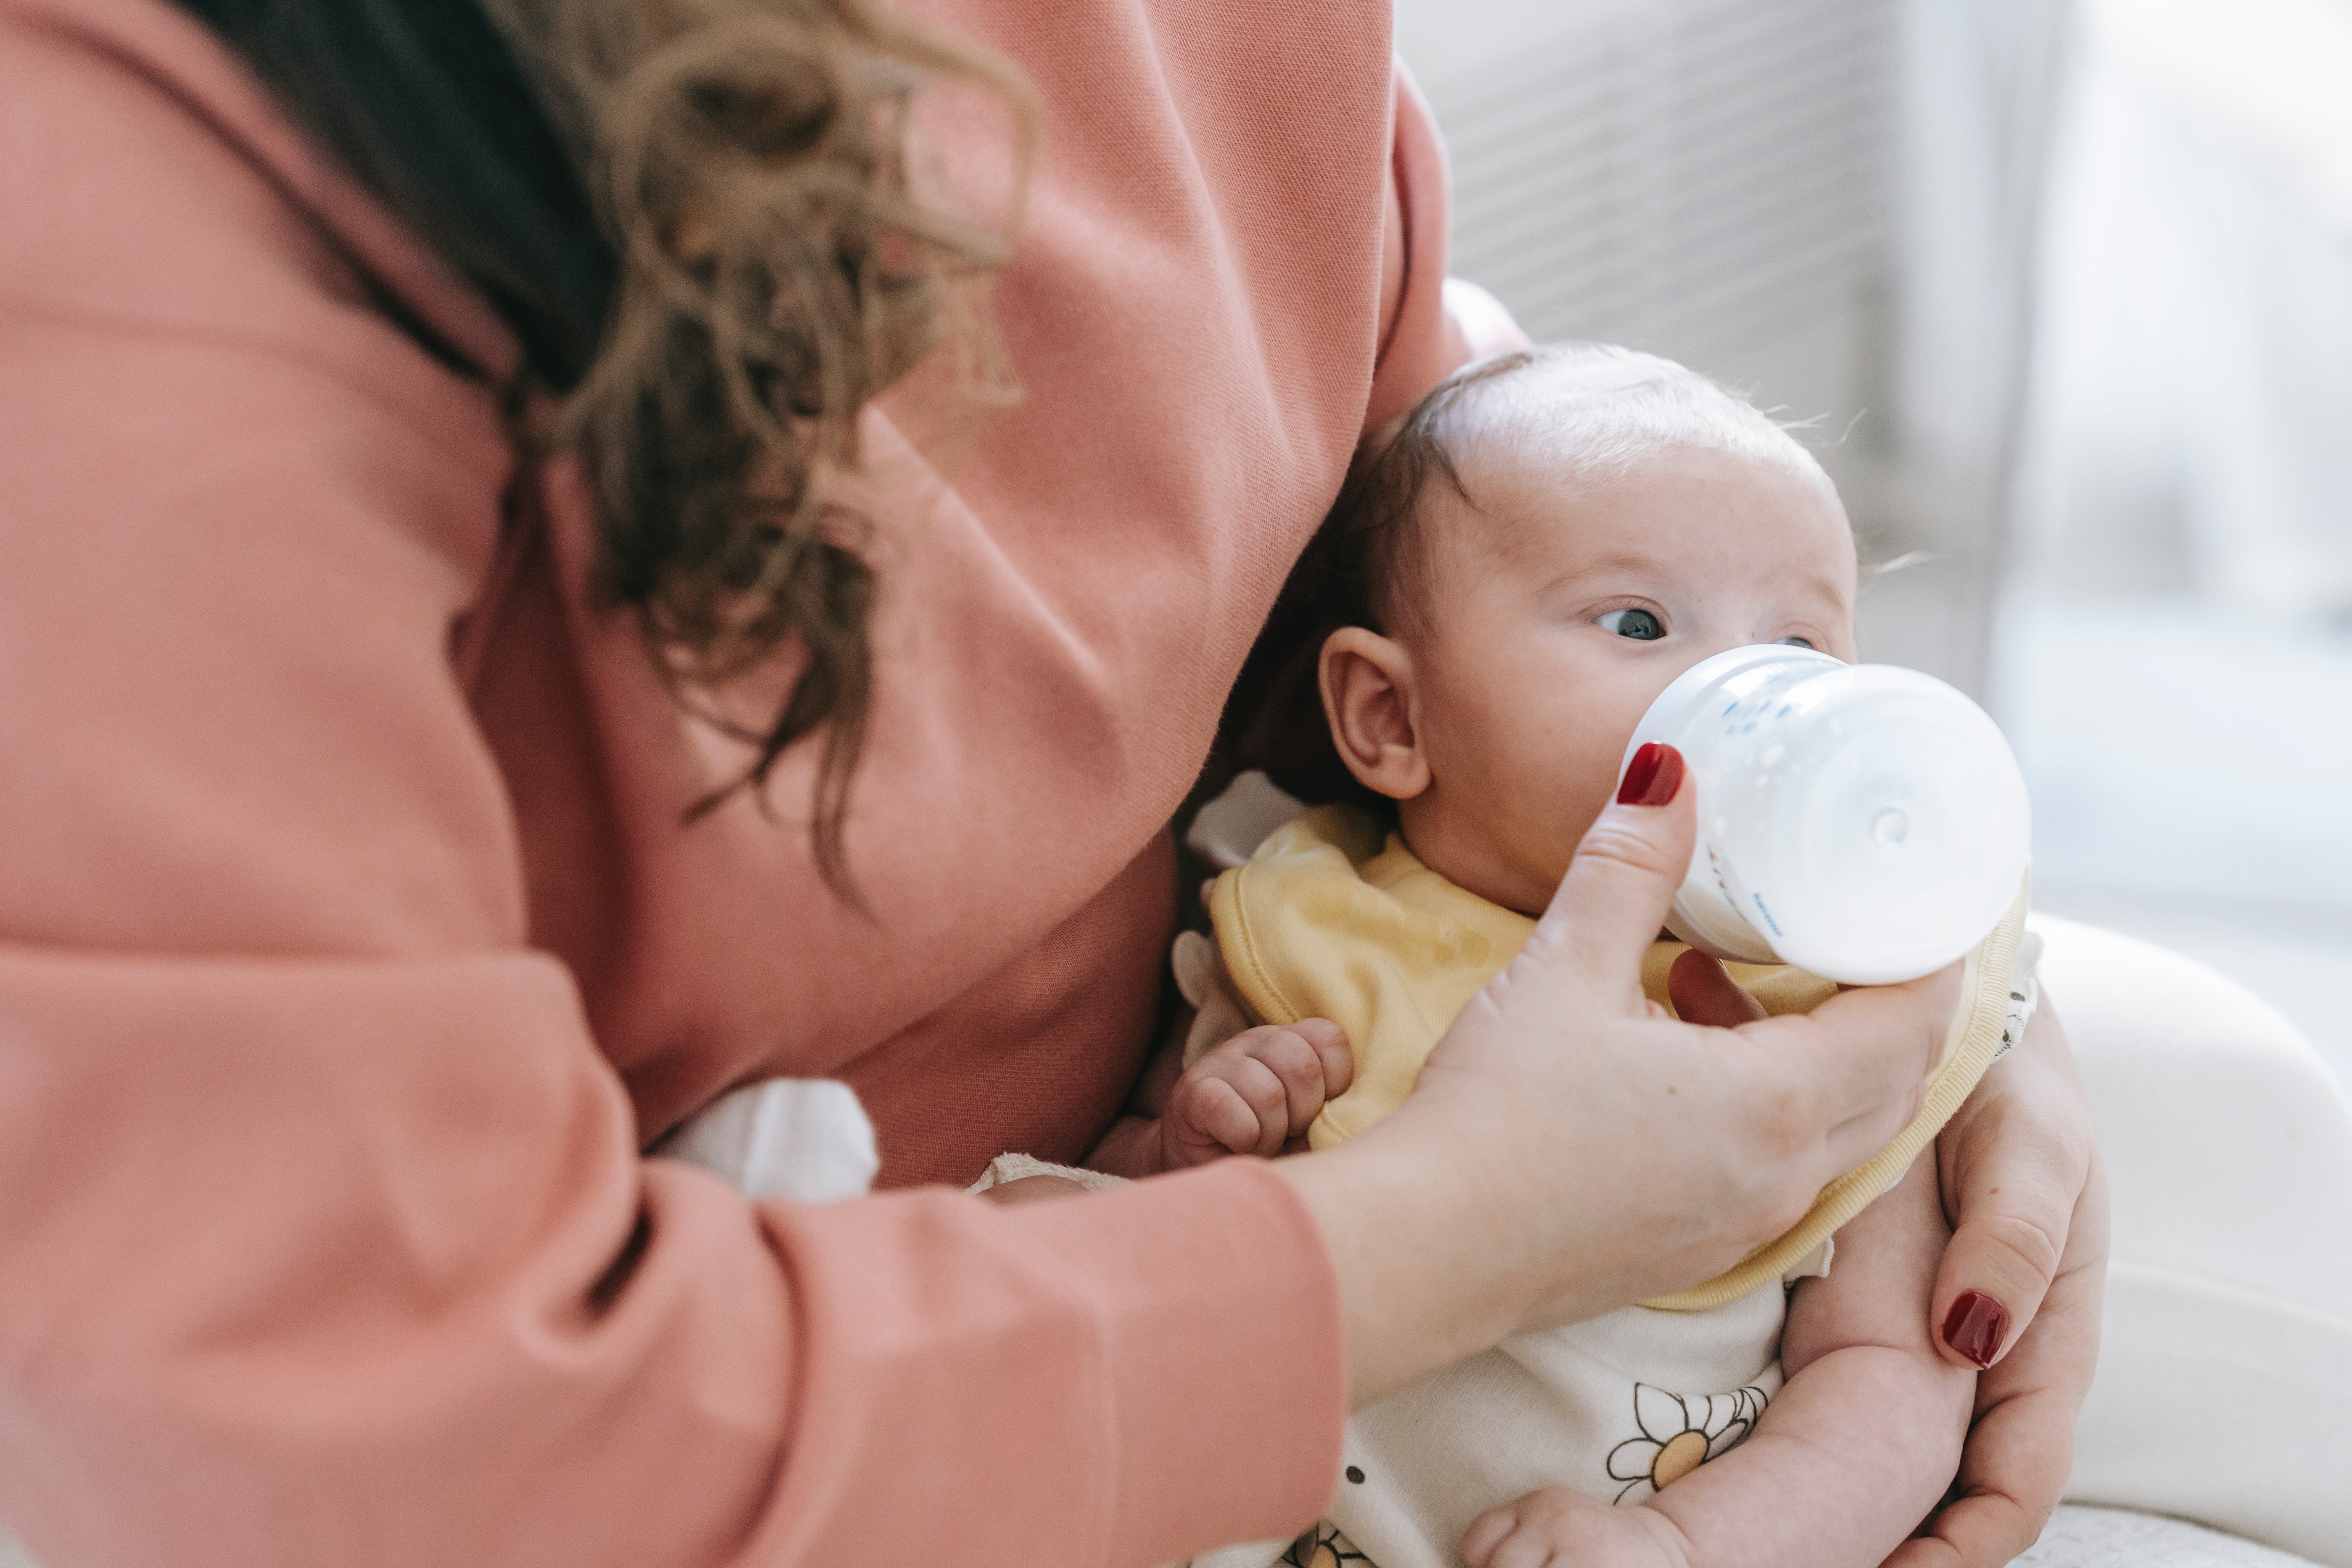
<point>1547,541</point>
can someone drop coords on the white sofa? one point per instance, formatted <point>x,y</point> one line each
<point>2224,1392</point>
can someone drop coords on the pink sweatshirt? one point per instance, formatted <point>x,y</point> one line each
<point>351,945</point>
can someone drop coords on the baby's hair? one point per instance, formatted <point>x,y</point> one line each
<point>1595,408</point>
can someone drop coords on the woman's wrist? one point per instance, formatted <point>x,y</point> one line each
<point>1427,1271</point>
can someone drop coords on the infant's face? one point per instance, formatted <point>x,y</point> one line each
<point>1561,608</point>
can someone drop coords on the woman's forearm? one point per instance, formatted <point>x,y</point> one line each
<point>1425,1270</point>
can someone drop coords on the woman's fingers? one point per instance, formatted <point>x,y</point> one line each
<point>1619,886</point>
<point>2020,1171</point>
<point>1873,1091</point>
<point>1987,1525</point>
<point>2021,1447</point>
<point>2015,1162</point>
<point>2017,1214</point>
<point>1854,1070</point>
<point>1495,1201</point>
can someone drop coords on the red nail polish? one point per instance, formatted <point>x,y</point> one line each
<point>1975,1326</point>
<point>1652,776</point>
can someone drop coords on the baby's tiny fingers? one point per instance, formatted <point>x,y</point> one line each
<point>1292,1058</point>
<point>1269,1096</point>
<point>1214,1114</point>
<point>1329,1043</point>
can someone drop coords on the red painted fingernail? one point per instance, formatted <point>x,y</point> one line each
<point>1976,1326</point>
<point>1652,776</point>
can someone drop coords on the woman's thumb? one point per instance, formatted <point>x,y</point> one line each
<point>1624,877</point>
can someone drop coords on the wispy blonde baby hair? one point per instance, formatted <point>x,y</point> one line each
<point>1602,409</point>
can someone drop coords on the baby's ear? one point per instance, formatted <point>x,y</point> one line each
<point>1367,682</point>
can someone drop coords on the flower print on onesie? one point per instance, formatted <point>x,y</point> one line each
<point>1679,1434</point>
<point>1596,1405</point>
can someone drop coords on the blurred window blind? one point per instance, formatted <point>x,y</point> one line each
<point>1678,171</point>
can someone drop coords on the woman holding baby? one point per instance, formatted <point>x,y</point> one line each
<point>530,601</point>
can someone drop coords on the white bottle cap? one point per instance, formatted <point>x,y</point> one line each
<point>1863,822</point>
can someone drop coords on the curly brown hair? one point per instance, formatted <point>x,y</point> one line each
<point>752,159</point>
<point>705,222</point>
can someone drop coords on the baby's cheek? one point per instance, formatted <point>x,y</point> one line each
<point>1546,818</point>
<point>1583,778</point>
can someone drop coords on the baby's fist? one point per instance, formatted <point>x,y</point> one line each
<point>1255,1093</point>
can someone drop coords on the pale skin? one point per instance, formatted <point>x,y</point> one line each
<point>1254,1094</point>
<point>1506,1234</point>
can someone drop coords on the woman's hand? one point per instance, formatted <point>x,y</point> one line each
<point>1570,1149</point>
<point>2019,1290</point>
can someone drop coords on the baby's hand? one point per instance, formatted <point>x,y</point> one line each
<point>1555,1526</point>
<point>1255,1094</point>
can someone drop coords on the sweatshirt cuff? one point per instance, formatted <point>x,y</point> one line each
<point>1226,1360</point>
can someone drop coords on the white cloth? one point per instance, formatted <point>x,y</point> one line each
<point>1018,1167</point>
<point>2082,1537</point>
<point>806,1139</point>
<point>2076,1537</point>
<point>1225,833</point>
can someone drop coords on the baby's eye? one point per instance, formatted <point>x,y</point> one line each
<point>1641,626</point>
<point>1796,642</point>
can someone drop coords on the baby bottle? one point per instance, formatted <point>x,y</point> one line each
<point>1863,822</point>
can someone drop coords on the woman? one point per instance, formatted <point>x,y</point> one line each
<point>445,635</point>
